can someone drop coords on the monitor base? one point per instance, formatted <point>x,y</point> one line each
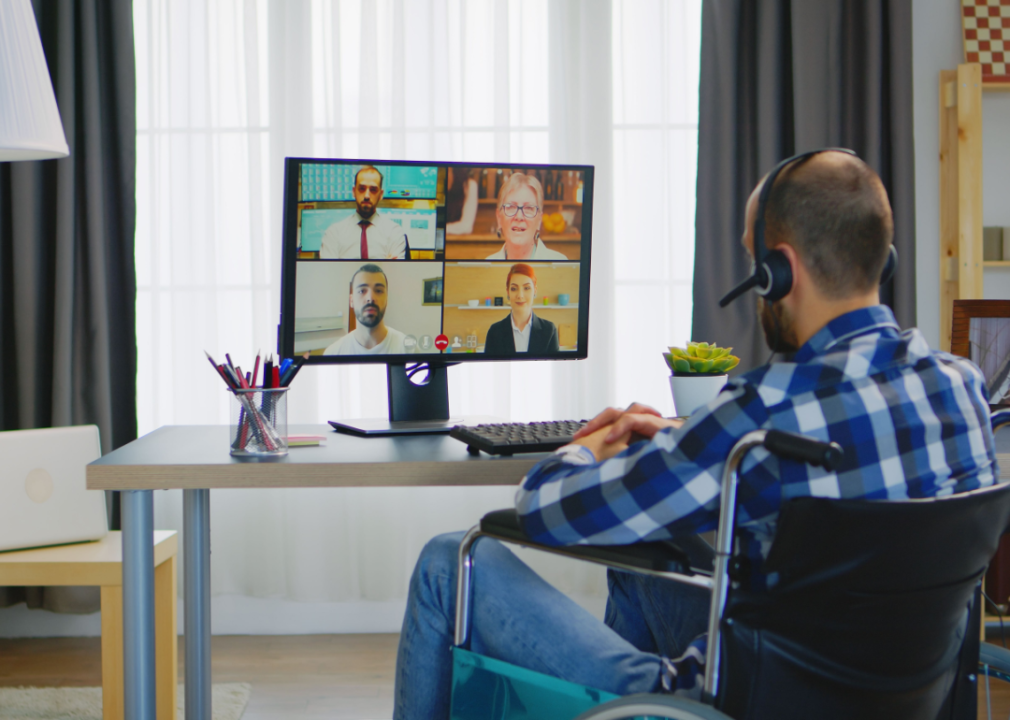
<point>418,404</point>
<point>418,392</point>
<point>382,426</point>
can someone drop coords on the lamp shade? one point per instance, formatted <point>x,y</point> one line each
<point>30,127</point>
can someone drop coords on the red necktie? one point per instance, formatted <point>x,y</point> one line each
<point>364,239</point>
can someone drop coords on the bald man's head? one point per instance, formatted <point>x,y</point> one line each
<point>834,210</point>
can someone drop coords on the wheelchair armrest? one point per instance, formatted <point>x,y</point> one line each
<point>659,556</point>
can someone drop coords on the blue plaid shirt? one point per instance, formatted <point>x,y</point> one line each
<point>912,422</point>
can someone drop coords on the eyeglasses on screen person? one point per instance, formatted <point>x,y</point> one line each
<point>529,211</point>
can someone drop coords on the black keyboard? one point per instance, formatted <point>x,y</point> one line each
<point>508,438</point>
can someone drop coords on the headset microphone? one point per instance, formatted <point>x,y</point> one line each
<point>739,290</point>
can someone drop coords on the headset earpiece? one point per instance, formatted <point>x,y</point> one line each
<point>890,265</point>
<point>777,276</point>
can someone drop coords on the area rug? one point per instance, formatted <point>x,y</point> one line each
<point>76,703</point>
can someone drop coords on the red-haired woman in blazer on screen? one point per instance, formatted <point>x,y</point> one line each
<point>521,330</point>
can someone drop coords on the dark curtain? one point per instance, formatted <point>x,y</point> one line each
<point>67,280</point>
<point>779,78</point>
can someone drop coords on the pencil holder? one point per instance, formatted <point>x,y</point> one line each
<point>259,422</point>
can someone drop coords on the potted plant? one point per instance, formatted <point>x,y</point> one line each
<point>698,373</point>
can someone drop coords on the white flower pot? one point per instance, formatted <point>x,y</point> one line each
<point>690,393</point>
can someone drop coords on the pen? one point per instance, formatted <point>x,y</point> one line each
<point>232,379</point>
<point>256,368</point>
<point>290,375</point>
<point>293,370</point>
<point>217,367</point>
<point>268,373</point>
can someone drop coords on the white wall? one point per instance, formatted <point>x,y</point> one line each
<point>996,181</point>
<point>936,46</point>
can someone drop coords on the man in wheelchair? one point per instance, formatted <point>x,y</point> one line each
<point>913,423</point>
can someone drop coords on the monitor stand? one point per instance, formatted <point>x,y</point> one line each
<point>418,403</point>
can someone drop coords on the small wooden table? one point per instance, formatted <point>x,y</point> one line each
<point>101,563</point>
<point>196,458</point>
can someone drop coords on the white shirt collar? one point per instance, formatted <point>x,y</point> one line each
<point>522,337</point>
<point>504,255</point>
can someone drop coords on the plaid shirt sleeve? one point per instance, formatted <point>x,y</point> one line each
<point>666,487</point>
<point>913,423</point>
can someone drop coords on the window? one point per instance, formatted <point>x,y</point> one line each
<point>227,88</point>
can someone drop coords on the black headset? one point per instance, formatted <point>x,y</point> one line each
<point>773,276</point>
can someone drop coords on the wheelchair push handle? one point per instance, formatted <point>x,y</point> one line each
<point>827,455</point>
<point>999,419</point>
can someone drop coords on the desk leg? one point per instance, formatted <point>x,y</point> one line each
<point>196,566</point>
<point>138,604</point>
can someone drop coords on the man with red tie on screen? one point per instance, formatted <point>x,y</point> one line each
<point>366,234</point>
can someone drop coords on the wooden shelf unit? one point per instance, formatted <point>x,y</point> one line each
<point>961,264</point>
<point>546,237</point>
<point>492,201</point>
<point>538,306</point>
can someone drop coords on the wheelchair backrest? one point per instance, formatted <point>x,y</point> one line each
<point>867,606</point>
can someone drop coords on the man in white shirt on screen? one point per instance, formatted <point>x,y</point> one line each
<point>369,294</point>
<point>366,234</point>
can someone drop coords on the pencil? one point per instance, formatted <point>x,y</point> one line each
<point>217,368</point>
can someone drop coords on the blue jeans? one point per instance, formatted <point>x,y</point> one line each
<point>521,619</point>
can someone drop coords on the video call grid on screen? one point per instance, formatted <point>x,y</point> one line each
<point>439,256</point>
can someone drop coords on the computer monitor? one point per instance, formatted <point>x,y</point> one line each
<point>421,265</point>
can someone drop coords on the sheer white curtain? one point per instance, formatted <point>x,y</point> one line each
<point>656,64</point>
<point>226,90</point>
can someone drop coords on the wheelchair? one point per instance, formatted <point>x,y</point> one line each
<point>875,613</point>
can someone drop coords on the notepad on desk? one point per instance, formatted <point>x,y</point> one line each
<point>305,440</point>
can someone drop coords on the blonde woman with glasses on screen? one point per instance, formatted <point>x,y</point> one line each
<point>520,212</point>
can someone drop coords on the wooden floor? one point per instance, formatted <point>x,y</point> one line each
<point>998,698</point>
<point>342,677</point>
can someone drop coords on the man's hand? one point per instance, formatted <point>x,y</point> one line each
<point>637,422</point>
<point>603,449</point>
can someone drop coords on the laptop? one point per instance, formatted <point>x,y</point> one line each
<point>44,498</point>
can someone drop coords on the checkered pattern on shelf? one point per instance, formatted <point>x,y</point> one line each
<point>986,29</point>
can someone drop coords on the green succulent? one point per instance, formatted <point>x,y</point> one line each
<point>700,359</point>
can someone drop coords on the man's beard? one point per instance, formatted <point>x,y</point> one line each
<point>372,321</point>
<point>778,326</point>
<point>367,211</point>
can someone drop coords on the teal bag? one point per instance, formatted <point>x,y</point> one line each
<point>487,689</point>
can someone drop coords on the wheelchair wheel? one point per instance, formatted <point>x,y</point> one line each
<point>653,706</point>
<point>993,681</point>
